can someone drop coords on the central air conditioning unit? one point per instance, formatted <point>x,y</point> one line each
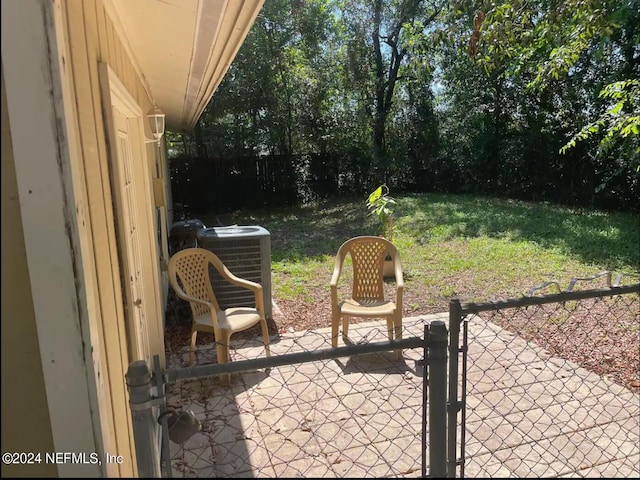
<point>246,252</point>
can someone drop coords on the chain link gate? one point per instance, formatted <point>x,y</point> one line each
<point>371,419</point>
<point>542,389</point>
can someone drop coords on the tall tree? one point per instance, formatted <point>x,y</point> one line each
<point>550,38</point>
<point>386,29</point>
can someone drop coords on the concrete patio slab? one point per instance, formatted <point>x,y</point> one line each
<point>528,413</point>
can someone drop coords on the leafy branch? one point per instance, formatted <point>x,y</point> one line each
<point>620,121</point>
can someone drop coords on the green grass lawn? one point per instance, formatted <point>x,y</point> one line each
<point>473,248</point>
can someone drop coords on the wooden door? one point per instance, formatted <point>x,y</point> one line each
<point>130,180</point>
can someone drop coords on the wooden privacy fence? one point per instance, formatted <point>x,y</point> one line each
<point>255,181</point>
<point>239,182</point>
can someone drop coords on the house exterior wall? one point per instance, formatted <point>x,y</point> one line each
<point>36,135</point>
<point>78,35</point>
<point>66,321</point>
<point>24,402</point>
<point>92,37</point>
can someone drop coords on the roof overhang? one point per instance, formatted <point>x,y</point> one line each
<point>183,48</point>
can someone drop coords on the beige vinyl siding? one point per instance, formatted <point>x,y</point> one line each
<point>101,259</point>
<point>91,38</point>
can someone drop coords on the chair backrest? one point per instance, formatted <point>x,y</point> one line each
<point>189,273</point>
<point>367,255</point>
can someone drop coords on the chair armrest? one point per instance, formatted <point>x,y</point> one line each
<point>259,300</point>
<point>249,285</point>
<point>398,273</point>
<point>191,299</point>
<point>337,270</point>
<point>399,282</point>
<point>243,283</point>
<point>399,295</point>
<point>257,291</point>
<point>334,297</point>
<point>335,277</point>
<point>240,282</point>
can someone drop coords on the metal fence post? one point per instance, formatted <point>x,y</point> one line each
<point>144,424</point>
<point>165,452</point>
<point>437,399</point>
<point>425,399</point>
<point>455,316</point>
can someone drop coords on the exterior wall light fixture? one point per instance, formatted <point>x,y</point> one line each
<point>156,123</point>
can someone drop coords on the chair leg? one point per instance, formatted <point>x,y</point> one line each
<point>222,351</point>
<point>335,320</point>
<point>345,326</point>
<point>390,329</point>
<point>192,350</point>
<point>398,324</point>
<point>265,336</point>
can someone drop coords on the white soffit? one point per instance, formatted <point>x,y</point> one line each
<point>183,48</point>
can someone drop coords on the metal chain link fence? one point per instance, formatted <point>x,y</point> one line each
<point>550,386</point>
<point>542,386</point>
<point>350,416</point>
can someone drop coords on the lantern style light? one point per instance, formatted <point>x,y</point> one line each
<point>156,123</point>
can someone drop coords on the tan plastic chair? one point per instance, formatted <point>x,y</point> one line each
<point>367,296</point>
<point>189,277</point>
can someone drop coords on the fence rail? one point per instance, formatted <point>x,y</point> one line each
<point>216,369</point>
<point>470,308</point>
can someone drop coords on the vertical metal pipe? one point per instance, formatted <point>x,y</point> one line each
<point>165,456</point>
<point>144,425</point>
<point>455,317</point>
<point>437,399</point>
<point>425,398</point>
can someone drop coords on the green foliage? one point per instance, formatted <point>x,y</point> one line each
<point>424,111</point>
<point>382,205</point>
<point>546,41</point>
<point>620,122</point>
